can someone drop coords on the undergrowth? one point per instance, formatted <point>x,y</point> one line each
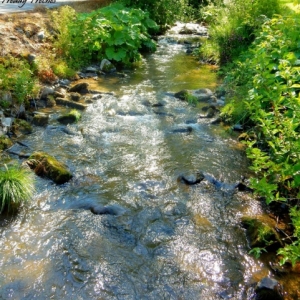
<point>115,32</point>
<point>263,93</point>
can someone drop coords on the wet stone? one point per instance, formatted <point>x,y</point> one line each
<point>157,233</point>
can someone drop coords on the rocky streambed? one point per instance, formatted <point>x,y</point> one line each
<point>153,209</point>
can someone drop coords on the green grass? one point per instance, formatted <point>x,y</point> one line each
<point>16,187</point>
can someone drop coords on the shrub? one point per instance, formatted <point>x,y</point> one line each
<point>233,27</point>
<point>164,11</point>
<point>16,187</point>
<point>114,32</point>
<point>17,78</point>
<point>270,74</point>
<point>61,69</point>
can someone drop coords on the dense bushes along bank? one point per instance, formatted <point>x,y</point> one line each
<point>259,53</point>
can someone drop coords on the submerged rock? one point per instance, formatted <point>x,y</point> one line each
<point>45,165</point>
<point>193,180</point>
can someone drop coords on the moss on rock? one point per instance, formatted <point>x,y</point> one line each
<point>45,165</point>
<point>21,126</point>
<point>71,117</point>
<point>5,142</point>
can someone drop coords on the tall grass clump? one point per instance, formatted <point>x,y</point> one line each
<point>16,187</point>
<point>233,27</point>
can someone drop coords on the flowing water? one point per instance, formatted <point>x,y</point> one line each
<point>168,240</point>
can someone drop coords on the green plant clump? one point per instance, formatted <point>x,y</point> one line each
<point>17,78</point>
<point>115,32</point>
<point>233,27</point>
<point>267,82</point>
<point>16,187</point>
<point>166,11</point>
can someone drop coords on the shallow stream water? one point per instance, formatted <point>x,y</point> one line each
<point>168,240</point>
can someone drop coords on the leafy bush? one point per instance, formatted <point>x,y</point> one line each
<point>17,78</point>
<point>61,69</point>
<point>233,27</point>
<point>270,73</point>
<point>291,252</point>
<point>114,32</point>
<point>16,187</point>
<point>164,11</point>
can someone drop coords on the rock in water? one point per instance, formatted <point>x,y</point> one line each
<point>81,88</point>
<point>102,210</point>
<point>199,177</point>
<point>45,165</point>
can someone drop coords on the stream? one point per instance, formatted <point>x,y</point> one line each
<point>167,240</point>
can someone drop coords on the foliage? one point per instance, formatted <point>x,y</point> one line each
<point>266,82</point>
<point>5,142</point>
<point>114,32</point>
<point>273,104</point>
<point>233,27</point>
<point>61,69</point>
<point>291,253</point>
<point>165,11</point>
<point>16,187</point>
<point>76,114</point>
<point>17,78</point>
<point>47,76</point>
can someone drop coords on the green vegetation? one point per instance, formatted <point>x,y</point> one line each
<point>164,11</point>
<point>16,187</point>
<point>233,27</point>
<point>17,79</point>
<point>262,85</point>
<point>70,117</point>
<point>5,142</point>
<point>114,32</point>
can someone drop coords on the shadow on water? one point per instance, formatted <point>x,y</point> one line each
<point>167,240</point>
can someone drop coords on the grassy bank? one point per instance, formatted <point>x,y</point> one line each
<point>259,55</point>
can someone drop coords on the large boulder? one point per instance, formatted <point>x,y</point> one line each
<point>45,165</point>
